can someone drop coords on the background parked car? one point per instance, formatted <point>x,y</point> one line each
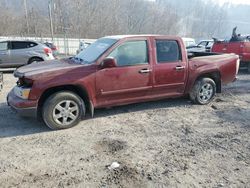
<point>207,44</point>
<point>202,46</point>
<point>238,44</point>
<point>17,53</point>
<point>53,47</point>
<point>189,42</point>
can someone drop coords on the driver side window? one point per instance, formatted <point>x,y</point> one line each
<point>131,53</point>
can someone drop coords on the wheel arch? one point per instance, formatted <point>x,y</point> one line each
<point>215,76</point>
<point>79,90</point>
<point>35,57</point>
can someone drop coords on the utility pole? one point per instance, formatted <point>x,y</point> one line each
<point>51,21</point>
<point>26,16</point>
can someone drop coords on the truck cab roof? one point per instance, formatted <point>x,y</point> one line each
<point>118,37</point>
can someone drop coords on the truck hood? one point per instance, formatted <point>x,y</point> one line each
<point>47,68</point>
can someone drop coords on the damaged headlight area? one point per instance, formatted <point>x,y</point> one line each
<point>22,92</point>
<point>24,82</point>
<point>23,88</point>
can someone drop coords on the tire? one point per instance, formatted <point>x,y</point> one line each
<point>203,91</point>
<point>63,110</point>
<point>35,59</point>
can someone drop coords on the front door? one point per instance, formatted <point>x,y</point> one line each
<point>170,70</point>
<point>131,80</point>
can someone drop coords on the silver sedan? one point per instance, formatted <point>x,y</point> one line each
<point>17,53</point>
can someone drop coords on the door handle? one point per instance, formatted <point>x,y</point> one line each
<point>144,71</point>
<point>179,68</point>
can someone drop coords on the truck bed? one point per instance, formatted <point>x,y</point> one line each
<point>201,54</point>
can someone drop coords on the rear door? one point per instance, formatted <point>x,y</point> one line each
<point>4,54</point>
<point>170,70</point>
<point>130,80</point>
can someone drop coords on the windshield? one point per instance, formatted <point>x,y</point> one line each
<point>95,50</point>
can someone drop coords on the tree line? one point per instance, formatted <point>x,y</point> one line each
<point>96,18</point>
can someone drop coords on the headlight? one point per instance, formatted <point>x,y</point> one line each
<point>22,92</point>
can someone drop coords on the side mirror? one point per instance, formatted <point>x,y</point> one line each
<point>108,62</point>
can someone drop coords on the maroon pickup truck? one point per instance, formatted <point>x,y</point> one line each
<point>118,70</point>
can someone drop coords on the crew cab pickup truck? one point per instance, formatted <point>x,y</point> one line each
<point>240,47</point>
<point>118,70</point>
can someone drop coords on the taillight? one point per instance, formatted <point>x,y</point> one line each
<point>54,48</point>
<point>47,51</point>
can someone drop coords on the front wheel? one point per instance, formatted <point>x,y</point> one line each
<point>203,91</point>
<point>63,110</point>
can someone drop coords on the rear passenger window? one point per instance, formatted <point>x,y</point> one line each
<point>167,51</point>
<point>32,44</point>
<point>22,45</point>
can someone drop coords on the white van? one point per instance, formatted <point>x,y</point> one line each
<point>189,42</point>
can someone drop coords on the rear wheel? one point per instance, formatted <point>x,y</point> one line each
<point>203,91</point>
<point>63,110</point>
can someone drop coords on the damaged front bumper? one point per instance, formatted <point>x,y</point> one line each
<point>26,108</point>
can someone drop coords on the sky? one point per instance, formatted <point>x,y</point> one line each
<point>234,1</point>
<point>230,1</point>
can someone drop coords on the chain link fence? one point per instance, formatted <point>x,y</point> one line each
<point>66,46</point>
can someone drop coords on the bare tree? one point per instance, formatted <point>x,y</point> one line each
<point>96,18</point>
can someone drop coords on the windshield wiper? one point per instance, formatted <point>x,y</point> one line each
<point>80,60</point>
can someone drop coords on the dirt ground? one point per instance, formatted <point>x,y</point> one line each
<point>169,143</point>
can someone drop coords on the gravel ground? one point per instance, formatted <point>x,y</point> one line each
<point>169,143</point>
